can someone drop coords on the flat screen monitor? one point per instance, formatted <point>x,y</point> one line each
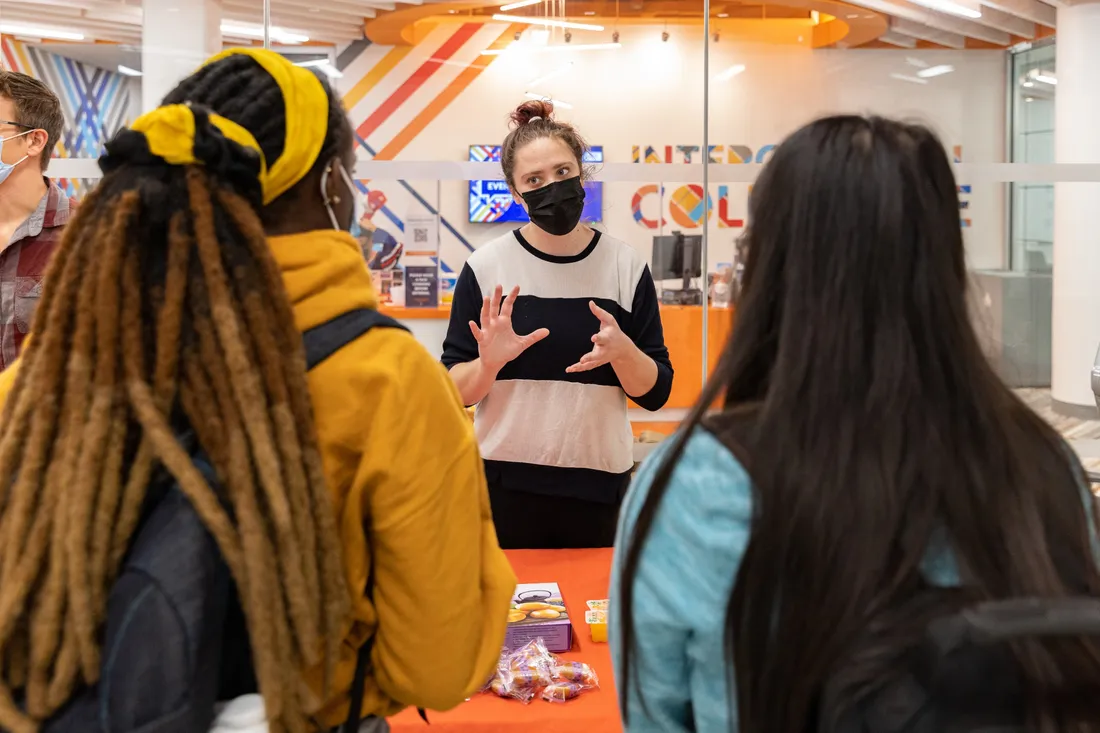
<point>491,202</point>
<point>673,252</point>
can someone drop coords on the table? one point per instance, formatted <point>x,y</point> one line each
<point>582,575</point>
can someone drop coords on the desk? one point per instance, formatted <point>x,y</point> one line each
<point>583,575</point>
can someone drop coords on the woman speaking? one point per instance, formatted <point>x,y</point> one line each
<point>550,369</point>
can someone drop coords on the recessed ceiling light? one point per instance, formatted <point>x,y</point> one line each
<point>278,35</point>
<point>729,73</point>
<point>910,79</point>
<point>39,31</point>
<point>322,65</point>
<point>962,8</point>
<point>548,22</point>
<point>935,71</point>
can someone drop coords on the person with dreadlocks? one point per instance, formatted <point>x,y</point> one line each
<point>177,299</point>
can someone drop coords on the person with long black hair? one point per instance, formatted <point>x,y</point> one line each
<point>866,452</point>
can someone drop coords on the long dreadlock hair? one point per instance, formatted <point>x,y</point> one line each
<point>164,308</point>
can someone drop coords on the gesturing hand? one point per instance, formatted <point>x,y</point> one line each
<point>610,343</point>
<point>497,342</point>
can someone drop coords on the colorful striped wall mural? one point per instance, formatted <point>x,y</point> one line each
<point>96,102</point>
<point>392,93</point>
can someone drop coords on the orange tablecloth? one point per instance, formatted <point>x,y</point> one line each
<point>582,575</point>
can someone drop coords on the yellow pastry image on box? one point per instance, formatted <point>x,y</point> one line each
<point>538,612</point>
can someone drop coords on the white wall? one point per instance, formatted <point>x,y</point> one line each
<point>649,93</point>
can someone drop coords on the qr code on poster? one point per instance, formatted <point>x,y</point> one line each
<point>420,235</point>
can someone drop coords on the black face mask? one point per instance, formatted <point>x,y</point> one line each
<point>556,208</point>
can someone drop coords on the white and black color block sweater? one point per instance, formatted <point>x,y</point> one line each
<point>540,429</point>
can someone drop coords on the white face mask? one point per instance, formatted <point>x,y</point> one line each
<point>7,168</point>
<point>357,202</point>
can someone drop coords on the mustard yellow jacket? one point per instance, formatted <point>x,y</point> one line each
<point>407,481</point>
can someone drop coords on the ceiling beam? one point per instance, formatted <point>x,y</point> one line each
<point>898,39</point>
<point>351,7</point>
<point>927,33</point>
<point>939,21</point>
<point>1033,10</point>
<point>75,4</point>
<point>326,34</point>
<point>1007,22</point>
<point>290,20</point>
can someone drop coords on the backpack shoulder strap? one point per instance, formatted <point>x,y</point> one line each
<point>320,343</point>
<point>323,341</point>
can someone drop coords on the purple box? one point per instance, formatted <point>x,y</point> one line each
<point>538,612</point>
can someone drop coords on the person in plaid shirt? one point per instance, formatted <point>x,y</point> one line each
<point>33,210</point>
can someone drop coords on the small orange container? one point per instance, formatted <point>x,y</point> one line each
<point>596,617</point>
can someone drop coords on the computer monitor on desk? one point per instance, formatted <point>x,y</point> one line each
<point>679,257</point>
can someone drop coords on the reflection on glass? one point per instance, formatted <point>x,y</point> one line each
<point>1033,85</point>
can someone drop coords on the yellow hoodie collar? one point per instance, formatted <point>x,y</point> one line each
<point>324,273</point>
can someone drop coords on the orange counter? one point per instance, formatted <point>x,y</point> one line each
<point>684,337</point>
<point>683,326</point>
<point>583,576</point>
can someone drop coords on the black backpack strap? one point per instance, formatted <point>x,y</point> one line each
<point>351,725</point>
<point>320,343</point>
<point>323,341</point>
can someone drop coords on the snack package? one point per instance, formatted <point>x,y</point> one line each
<point>532,671</point>
<point>563,691</point>
<point>578,672</point>
<point>524,673</point>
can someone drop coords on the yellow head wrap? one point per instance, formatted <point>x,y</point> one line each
<point>171,130</point>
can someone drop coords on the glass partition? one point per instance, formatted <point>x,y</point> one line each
<point>1032,85</point>
<point>428,88</point>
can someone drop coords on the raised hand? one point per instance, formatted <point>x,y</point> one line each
<point>610,343</point>
<point>497,341</point>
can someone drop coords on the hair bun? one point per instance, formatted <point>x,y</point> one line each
<point>528,112</point>
<point>223,158</point>
<point>127,147</point>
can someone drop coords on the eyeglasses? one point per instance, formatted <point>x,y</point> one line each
<point>17,124</point>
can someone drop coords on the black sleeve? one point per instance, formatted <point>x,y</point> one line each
<point>649,336</point>
<point>460,346</point>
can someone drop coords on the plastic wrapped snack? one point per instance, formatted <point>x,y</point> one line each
<point>503,686</point>
<point>562,691</point>
<point>576,672</point>
<point>532,671</point>
<point>531,665</point>
<point>522,674</point>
